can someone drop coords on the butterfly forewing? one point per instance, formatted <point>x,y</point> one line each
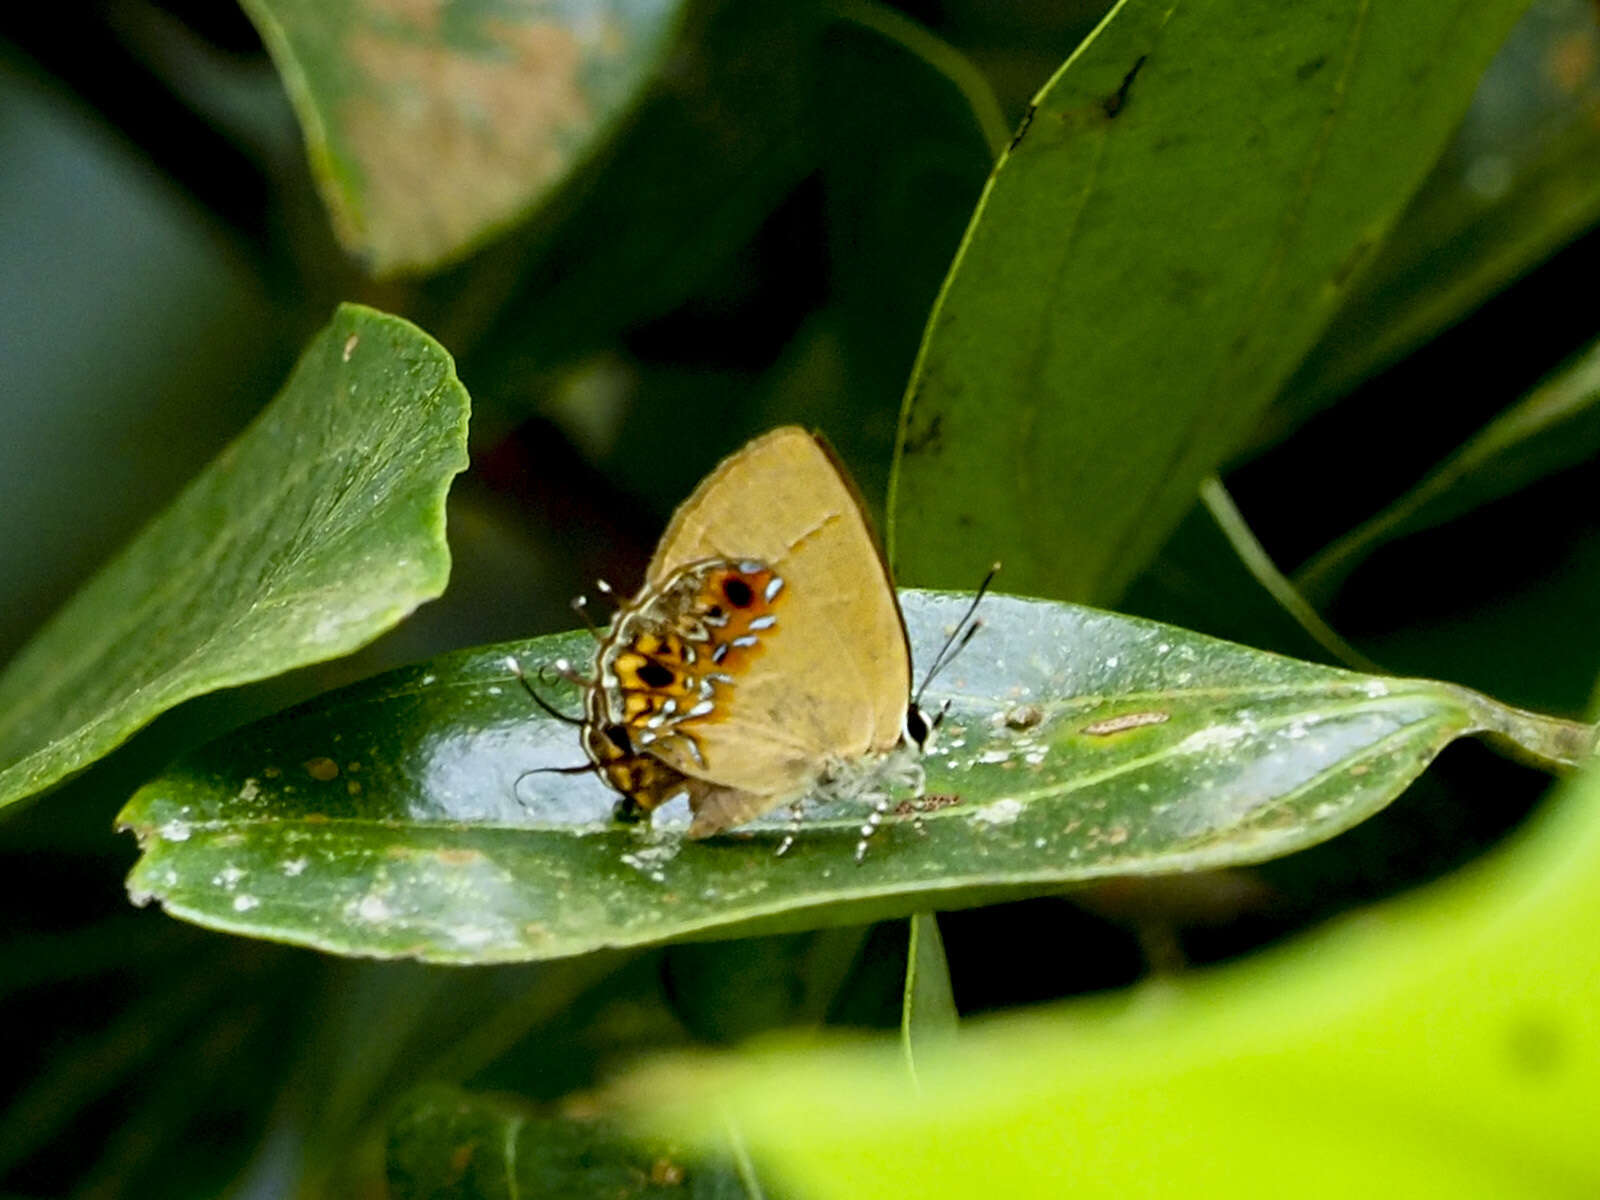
<point>830,676</point>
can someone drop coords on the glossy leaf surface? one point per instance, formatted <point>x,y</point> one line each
<point>315,531</point>
<point>1181,212</point>
<point>399,817</point>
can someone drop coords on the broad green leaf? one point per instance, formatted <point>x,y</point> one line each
<point>399,817</point>
<point>446,1143</point>
<point>1442,1044</point>
<point>928,1015</point>
<point>1179,215</point>
<point>1554,427</point>
<point>430,129</point>
<point>315,531</point>
<point>1515,184</point>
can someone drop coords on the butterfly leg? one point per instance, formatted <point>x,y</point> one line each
<point>870,826</point>
<point>797,815</point>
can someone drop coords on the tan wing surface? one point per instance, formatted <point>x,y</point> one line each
<point>835,673</point>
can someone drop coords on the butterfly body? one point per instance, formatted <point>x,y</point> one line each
<point>765,659</point>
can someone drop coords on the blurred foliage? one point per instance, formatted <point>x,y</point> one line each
<point>708,218</point>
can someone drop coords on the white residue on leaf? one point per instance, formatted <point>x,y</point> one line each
<point>372,908</point>
<point>174,831</point>
<point>1376,688</point>
<point>1001,812</point>
<point>994,756</point>
<point>648,860</point>
<point>228,877</point>
<point>1212,737</point>
<point>427,679</point>
<point>244,903</point>
<point>249,789</point>
<point>294,866</point>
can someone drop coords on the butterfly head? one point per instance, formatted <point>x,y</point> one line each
<point>916,730</point>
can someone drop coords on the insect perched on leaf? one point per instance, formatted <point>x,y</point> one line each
<point>765,660</point>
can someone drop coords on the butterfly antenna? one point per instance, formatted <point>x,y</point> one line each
<point>963,633</point>
<point>516,669</point>
<point>580,605</point>
<point>583,770</point>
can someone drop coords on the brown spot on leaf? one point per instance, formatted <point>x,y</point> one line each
<point>1133,720</point>
<point>932,802</point>
<point>1023,716</point>
<point>322,769</point>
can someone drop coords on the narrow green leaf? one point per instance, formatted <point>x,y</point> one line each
<point>318,529</point>
<point>399,817</point>
<point>446,1143</point>
<point>1441,1044</point>
<point>928,1017</point>
<point>431,129</point>
<point>1179,215</point>
<point>1255,559</point>
<point>1554,427</point>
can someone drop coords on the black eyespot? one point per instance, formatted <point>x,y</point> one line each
<point>738,593</point>
<point>653,674</point>
<point>617,735</point>
<point>714,611</point>
<point>916,725</point>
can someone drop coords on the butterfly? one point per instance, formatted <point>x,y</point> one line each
<point>765,660</point>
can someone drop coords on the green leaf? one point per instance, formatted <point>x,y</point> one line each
<point>398,817</point>
<point>1516,183</point>
<point>431,129</point>
<point>1176,220</point>
<point>318,529</point>
<point>448,1143</point>
<point>1442,1044</point>
<point>928,1016</point>
<point>1554,427</point>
